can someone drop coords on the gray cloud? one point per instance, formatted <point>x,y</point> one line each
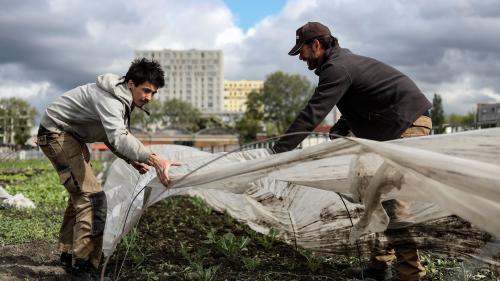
<point>50,46</point>
<point>441,45</point>
<point>448,47</point>
<point>53,43</point>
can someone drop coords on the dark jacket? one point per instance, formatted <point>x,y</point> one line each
<point>377,101</point>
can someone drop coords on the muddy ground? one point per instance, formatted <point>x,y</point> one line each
<point>30,261</point>
<point>180,239</point>
<point>171,243</point>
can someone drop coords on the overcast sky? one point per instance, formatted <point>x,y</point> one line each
<point>449,47</point>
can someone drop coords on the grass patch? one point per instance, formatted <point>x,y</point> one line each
<point>50,197</point>
<point>24,165</point>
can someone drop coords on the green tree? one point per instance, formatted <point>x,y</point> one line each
<point>17,118</point>
<point>180,114</point>
<point>275,108</point>
<point>437,112</point>
<point>205,122</point>
<point>251,123</point>
<point>284,95</point>
<point>463,120</point>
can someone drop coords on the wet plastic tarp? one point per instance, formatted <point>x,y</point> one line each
<point>296,192</point>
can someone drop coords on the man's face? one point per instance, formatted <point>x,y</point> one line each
<point>143,93</point>
<point>312,54</point>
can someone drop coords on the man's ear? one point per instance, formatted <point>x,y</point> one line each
<point>316,45</point>
<point>130,84</point>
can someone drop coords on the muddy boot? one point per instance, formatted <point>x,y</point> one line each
<point>408,266</point>
<point>370,273</point>
<point>379,268</point>
<point>66,261</point>
<point>83,271</point>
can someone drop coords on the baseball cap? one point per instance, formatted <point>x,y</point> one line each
<point>307,32</point>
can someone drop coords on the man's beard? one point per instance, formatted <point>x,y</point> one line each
<point>313,62</point>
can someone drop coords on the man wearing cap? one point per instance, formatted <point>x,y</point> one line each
<point>377,102</point>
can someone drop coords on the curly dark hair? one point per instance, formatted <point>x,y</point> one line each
<point>144,70</point>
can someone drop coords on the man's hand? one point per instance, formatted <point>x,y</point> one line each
<point>141,167</point>
<point>341,128</point>
<point>162,166</point>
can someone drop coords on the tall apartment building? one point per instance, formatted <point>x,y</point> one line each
<point>488,115</point>
<point>236,92</point>
<point>14,120</point>
<point>194,76</point>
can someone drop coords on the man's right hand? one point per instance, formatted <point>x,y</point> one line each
<point>162,166</point>
<point>141,167</point>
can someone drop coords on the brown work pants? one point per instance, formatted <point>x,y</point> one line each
<point>405,252</point>
<point>83,224</point>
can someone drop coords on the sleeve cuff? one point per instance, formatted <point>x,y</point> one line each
<point>143,158</point>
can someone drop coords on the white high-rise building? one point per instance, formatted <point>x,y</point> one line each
<point>194,76</point>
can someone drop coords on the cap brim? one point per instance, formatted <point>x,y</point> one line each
<point>296,49</point>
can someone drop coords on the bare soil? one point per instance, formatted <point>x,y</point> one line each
<point>159,253</point>
<point>32,261</point>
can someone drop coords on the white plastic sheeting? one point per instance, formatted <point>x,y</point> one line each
<point>295,191</point>
<point>18,201</point>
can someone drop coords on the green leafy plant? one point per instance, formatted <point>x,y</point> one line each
<point>228,220</point>
<point>228,245</point>
<point>201,205</point>
<point>313,262</point>
<point>268,278</point>
<point>147,275</point>
<point>132,245</point>
<point>251,263</point>
<point>439,268</point>
<point>13,178</point>
<point>268,240</point>
<point>171,203</point>
<point>24,165</point>
<point>196,272</point>
<point>185,252</point>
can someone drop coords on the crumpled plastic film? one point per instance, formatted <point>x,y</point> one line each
<point>296,192</point>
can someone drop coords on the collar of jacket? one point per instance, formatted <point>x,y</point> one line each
<point>111,83</point>
<point>329,53</point>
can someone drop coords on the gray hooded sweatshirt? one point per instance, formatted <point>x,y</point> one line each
<point>97,112</point>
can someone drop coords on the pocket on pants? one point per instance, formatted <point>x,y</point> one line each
<point>69,182</point>
<point>83,174</point>
<point>48,151</point>
<point>99,207</point>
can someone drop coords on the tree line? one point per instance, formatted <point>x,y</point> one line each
<point>440,119</point>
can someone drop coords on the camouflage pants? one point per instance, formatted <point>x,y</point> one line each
<point>85,216</point>
<point>407,265</point>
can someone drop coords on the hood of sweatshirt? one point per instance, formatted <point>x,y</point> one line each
<point>108,81</point>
